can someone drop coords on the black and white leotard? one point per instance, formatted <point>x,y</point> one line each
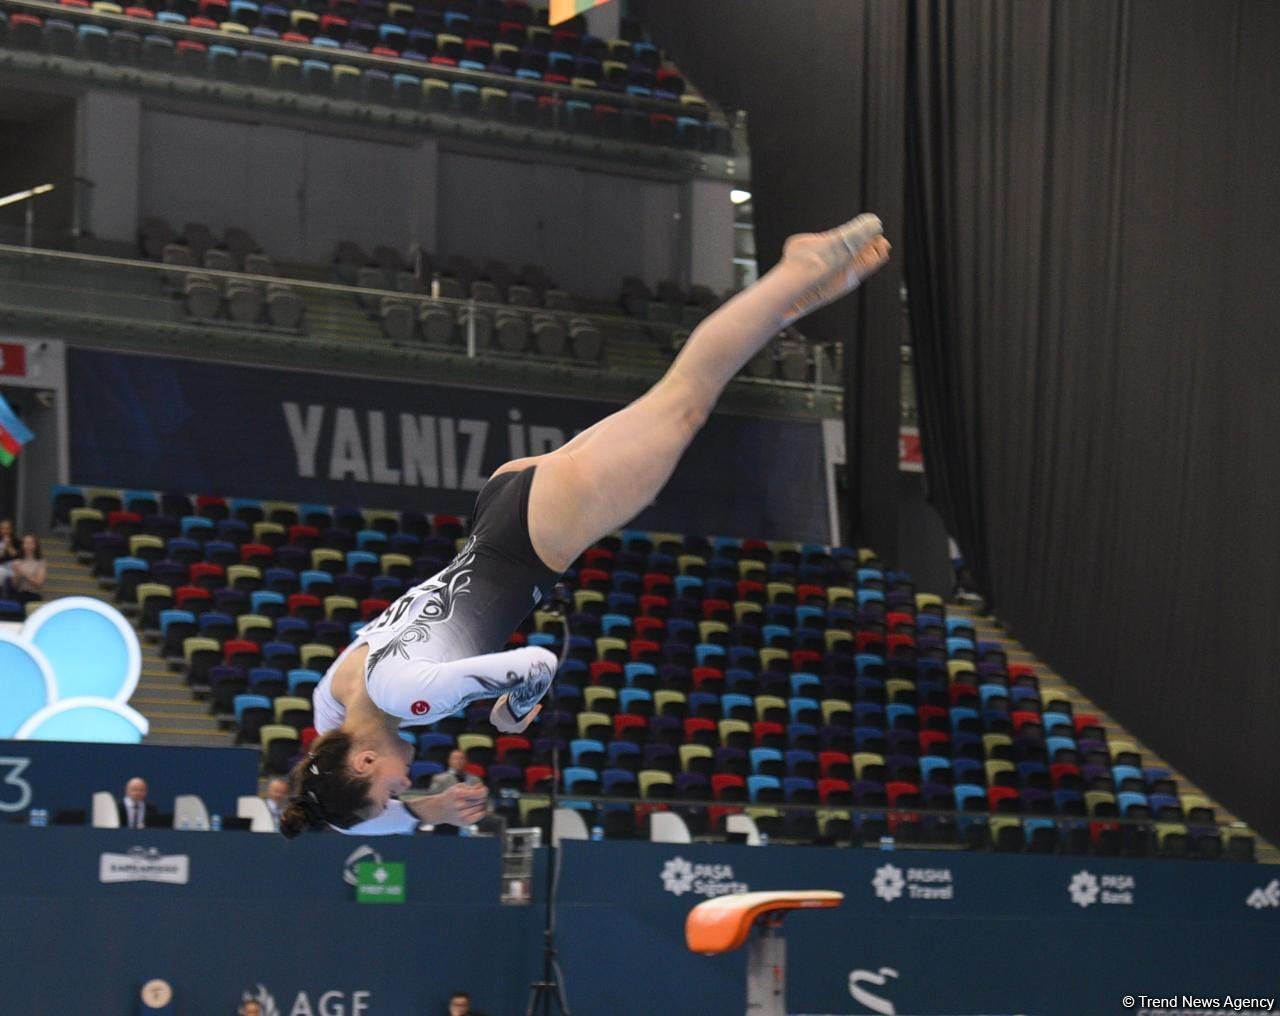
<point>432,651</point>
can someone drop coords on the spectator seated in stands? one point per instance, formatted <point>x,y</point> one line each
<point>136,812</point>
<point>23,577</point>
<point>8,545</point>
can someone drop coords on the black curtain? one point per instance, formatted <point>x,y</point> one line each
<point>1093,262</point>
<point>822,86</point>
<point>1092,248</point>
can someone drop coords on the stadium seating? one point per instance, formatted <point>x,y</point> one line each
<point>491,62</point>
<point>668,693</point>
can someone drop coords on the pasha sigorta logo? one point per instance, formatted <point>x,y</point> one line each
<point>680,876</point>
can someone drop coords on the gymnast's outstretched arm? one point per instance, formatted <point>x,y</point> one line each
<point>518,678</point>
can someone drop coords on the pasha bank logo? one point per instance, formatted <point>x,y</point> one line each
<point>69,673</point>
<point>1086,889</point>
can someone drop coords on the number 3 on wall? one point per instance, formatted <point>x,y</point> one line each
<point>13,769</point>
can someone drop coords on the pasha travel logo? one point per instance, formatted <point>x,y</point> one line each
<point>680,876</point>
<point>328,1003</point>
<point>1268,896</point>
<point>891,882</point>
<point>1086,889</point>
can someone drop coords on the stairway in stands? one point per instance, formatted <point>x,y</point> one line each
<point>161,696</point>
<point>1053,685</point>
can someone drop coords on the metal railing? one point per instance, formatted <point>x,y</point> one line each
<point>145,295</point>
<point>1137,835</point>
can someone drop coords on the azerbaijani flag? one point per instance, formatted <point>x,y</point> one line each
<point>563,10</point>
<point>13,434</point>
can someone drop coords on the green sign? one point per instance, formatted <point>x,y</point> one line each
<point>380,882</point>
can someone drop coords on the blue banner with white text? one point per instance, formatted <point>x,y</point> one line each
<point>925,932</point>
<point>201,427</point>
<point>89,916</point>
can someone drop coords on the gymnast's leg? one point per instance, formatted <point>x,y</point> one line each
<point>609,473</point>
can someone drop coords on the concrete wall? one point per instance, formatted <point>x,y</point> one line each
<point>299,192</point>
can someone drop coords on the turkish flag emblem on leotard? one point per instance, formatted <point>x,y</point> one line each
<point>421,708</point>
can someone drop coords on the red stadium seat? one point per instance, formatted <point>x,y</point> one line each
<point>629,727</point>
<point>895,620</point>
<point>593,578</point>
<point>806,594</point>
<point>512,749</point>
<point>933,742</point>
<point>868,642</point>
<point>535,777</point>
<point>649,627</point>
<point>654,606</point>
<point>835,765</point>
<point>305,605</point>
<point>963,694</point>
<point>717,610</point>
<point>238,653</point>
<point>192,598</point>
<point>307,537</point>
<point>644,651</point>
<point>1003,799</point>
<point>728,787</point>
<point>699,731</point>
<point>208,575</point>
<point>656,582</point>
<point>599,558</point>
<point>607,673</point>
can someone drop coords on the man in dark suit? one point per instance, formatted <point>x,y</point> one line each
<point>136,812</point>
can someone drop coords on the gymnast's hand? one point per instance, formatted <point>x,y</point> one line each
<point>500,717</point>
<point>463,804</point>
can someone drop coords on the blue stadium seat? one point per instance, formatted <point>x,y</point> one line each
<point>94,41</point>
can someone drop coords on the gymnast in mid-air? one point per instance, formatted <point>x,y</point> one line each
<point>433,650</point>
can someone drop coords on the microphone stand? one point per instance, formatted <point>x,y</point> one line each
<point>549,990</point>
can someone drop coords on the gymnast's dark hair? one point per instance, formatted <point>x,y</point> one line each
<point>323,790</point>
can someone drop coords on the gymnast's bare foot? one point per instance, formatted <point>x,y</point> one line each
<point>837,261</point>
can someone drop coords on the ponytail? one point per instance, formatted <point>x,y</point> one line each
<point>323,791</point>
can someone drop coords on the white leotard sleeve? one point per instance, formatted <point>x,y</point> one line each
<point>418,690</point>
<point>395,818</point>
